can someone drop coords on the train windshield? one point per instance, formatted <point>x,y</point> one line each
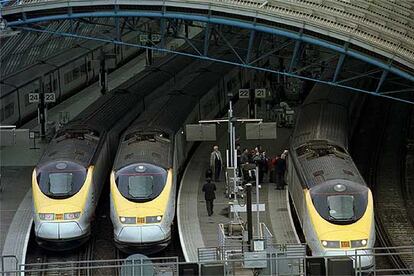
<point>341,207</point>
<point>61,179</point>
<point>340,201</point>
<point>141,182</point>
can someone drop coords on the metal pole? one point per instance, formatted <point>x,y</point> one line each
<point>42,110</point>
<point>257,200</point>
<point>249,215</point>
<point>231,134</point>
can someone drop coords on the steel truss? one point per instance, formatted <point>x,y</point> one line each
<point>292,55</point>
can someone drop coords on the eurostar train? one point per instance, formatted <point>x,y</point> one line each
<point>64,74</point>
<point>152,154</point>
<point>68,180</point>
<point>332,200</point>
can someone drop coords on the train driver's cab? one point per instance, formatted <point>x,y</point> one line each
<point>60,179</point>
<point>141,182</point>
<point>340,201</point>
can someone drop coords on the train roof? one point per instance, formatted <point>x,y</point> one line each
<point>323,116</point>
<point>321,165</point>
<point>73,149</point>
<point>166,116</point>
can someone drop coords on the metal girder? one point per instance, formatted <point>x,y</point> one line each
<point>249,49</point>
<point>381,81</point>
<point>359,76</point>
<point>241,64</point>
<point>284,45</point>
<point>163,31</point>
<point>229,45</point>
<point>206,38</point>
<point>398,91</point>
<point>294,55</point>
<point>221,21</point>
<point>318,62</point>
<point>175,28</point>
<point>340,62</point>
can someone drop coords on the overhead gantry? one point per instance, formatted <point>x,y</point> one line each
<point>380,34</point>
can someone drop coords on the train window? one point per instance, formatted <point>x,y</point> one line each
<point>60,179</point>
<point>341,207</point>
<point>83,69</point>
<point>7,111</point>
<point>68,77</point>
<point>76,73</point>
<point>140,186</point>
<point>60,183</point>
<point>141,182</point>
<point>89,65</point>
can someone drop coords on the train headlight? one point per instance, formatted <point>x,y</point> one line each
<point>128,220</point>
<point>359,243</point>
<point>331,244</point>
<point>70,216</point>
<point>153,219</point>
<point>46,216</point>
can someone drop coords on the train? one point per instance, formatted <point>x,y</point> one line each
<point>63,74</point>
<point>152,155</point>
<point>68,180</point>
<point>332,201</point>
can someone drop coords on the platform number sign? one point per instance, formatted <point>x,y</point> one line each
<point>34,97</point>
<point>155,38</point>
<point>260,93</point>
<point>244,93</point>
<point>143,38</point>
<point>50,97</point>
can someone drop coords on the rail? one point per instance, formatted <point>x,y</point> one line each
<point>387,28</point>
<point>171,265</point>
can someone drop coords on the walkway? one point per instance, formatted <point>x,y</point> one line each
<point>196,228</point>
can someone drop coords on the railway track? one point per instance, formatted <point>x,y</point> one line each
<point>409,169</point>
<point>71,263</point>
<point>392,219</point>
<point>380,161</point>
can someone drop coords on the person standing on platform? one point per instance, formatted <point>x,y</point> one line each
<point>209,189</point>
<point>216,162</point>
<point>280,170</point>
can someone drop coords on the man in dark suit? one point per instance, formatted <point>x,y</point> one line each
<point>209,195</point>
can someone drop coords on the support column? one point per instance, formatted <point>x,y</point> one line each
<point>42,109</point>
<point>162,32</point>
<point>249,215</point>
<point>381,81</point>
<point>340,62</point>
<point>295,55</point>
<point>249,49</point>
<point>338,67</point>
<point>206,39</point>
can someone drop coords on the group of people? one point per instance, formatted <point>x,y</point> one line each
<point>275,166</point>
<point>247,160</point>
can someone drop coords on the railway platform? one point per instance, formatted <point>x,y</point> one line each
<point>197,230</point>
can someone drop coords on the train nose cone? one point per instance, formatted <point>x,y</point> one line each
<point>59,230</point>
<point>363,259</point>
<point>141,234</point>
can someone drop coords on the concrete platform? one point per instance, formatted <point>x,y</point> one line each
<point>196,228</point>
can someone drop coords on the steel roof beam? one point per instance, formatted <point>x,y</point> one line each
<point>224,21</point>
<point>287,74</point>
